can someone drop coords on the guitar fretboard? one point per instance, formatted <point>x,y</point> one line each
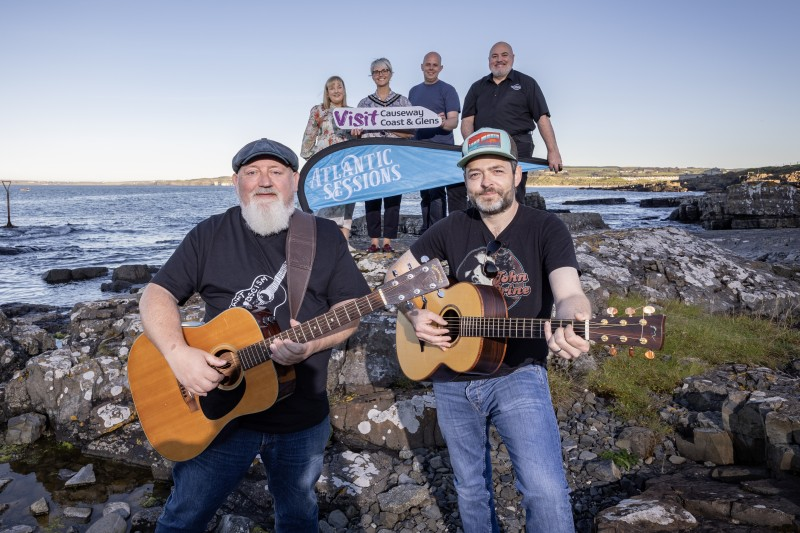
<point>512,328</point>
<point>255,354</point>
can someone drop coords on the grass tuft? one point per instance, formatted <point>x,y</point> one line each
<point>694,341</point>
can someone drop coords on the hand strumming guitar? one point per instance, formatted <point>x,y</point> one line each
<point>424,323</point>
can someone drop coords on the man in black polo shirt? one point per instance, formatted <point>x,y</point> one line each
<point>511,101</point>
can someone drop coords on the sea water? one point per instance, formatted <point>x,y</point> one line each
<point>64,226</point>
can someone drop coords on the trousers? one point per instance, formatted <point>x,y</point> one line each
<point>520,408</point>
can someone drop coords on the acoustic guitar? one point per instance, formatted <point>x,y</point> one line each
<point>180,426</point>
<point>478,324</point>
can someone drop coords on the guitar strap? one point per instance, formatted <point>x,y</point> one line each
<point>301,245</point>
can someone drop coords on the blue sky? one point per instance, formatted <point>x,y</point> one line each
<point>95,90</point>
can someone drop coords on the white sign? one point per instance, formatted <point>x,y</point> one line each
<point>385,118</point>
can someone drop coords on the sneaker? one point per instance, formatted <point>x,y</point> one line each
<point>388,248</point>
<point>373,248</point>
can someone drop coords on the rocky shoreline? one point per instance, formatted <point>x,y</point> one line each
<point>731,463</point>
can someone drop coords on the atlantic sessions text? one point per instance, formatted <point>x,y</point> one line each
<point>354,174</point>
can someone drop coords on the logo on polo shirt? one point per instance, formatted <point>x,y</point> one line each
<point>484,140</point>
<point>516,86</point>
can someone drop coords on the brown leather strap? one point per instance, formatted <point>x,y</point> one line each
<point>301,245</point>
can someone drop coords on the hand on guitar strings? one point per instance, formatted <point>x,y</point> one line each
<point>195,369</point>
<point>564,342</point>
<point>425,322</point>
<point>286,352</point>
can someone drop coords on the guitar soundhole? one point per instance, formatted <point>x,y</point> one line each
<point>232,370</point>
<point>453,324</point>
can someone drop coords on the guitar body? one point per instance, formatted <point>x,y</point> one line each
<point>180,426</point>
<point>467,355</point>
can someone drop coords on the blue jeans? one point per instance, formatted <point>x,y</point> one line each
<point>521,410</point>
<point>293,463</point>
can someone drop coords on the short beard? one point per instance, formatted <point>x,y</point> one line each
<point>498,206</point>
<point>267,220</point>
<point>500,72</point>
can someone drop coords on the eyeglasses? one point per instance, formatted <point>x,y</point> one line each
<point>382,72</point>
<point>489,268</point>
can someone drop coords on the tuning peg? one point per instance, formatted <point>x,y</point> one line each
<point>650,354</point>
<point>613,350</point>
<point>630,351</point>
<point>612,311</point>
<point>424,259</point>
<point>409,266</point>
<point>409,305</point>
<point>394,273</point>
<point>630,311</point>
<point>424,302</point>
<point>440,293</point>
<point>649,310</point>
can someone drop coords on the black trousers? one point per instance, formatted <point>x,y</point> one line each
<point>456,197</point>
<point>391,216</point>
<point>524,149</point>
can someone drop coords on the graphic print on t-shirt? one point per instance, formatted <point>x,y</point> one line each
<point>511,277</point>
<point>264,293</point>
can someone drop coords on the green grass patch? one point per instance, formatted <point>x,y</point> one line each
<point>622,458</point>
<point>694,342</point>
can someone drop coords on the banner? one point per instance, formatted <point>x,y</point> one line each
<point>366,169</point>
<point>385,118</point>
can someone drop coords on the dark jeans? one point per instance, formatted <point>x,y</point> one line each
<point>293,464</point>
<point>524,149</point>
<point>391,216</point>
<point>433,206</point>
<point>456,197</point>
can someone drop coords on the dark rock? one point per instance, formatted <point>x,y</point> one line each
<point>88,273</point>
<point>581,222</point>
<point>672,201</point>
<point>535,200</point>
<point>58,275</point>
<point>132,274</point>
<point>597,201</point>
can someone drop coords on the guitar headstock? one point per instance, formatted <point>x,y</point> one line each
<point>645,331</point>
<point>421,280</point>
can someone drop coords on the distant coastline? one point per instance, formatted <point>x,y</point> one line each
<point>571,177</point>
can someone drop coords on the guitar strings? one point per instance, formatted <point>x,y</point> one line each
<point>259,352</point>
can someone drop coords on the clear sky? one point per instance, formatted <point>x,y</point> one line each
<point>99,90</point>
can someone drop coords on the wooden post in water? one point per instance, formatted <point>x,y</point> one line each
<point>7,185</point>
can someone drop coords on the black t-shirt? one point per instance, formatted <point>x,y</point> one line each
<point>514,105</point>
<point>230,266</point>
<point>535,243</point>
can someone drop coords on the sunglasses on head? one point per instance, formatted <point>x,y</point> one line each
<point>488,267</point>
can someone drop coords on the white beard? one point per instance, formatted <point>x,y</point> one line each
<point>267,220</point>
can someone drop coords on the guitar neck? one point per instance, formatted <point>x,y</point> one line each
<point>514,328</point>
<point>255,354</point>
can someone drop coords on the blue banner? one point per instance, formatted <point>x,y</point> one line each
<point>367,169</point>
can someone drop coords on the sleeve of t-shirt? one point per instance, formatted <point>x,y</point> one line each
<point>432,242</point>
<point>181,273</point>
<point>559,251</point>
<point>470,102</point>
<point>451,102</point>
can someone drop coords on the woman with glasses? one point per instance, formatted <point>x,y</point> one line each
<point>321,132</point>
<point>381,71</point>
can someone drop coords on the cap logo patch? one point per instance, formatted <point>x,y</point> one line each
<point>484,140</point>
